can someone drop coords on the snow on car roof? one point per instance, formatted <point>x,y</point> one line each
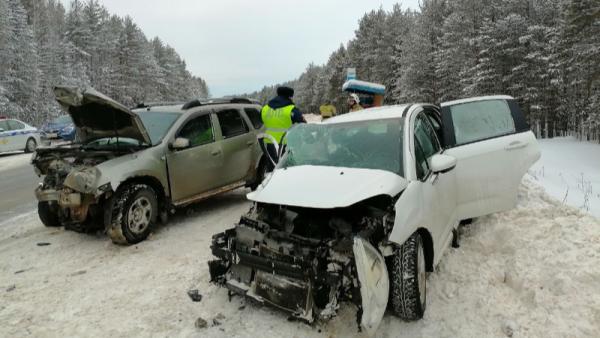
<point>378,113</point>
<point>478,98</point>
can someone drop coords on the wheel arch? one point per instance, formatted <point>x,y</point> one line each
<point>153,183</point>
<point>427,247</point>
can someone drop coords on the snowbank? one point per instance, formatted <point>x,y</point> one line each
<point>569,170</point>
<point>532,270</point>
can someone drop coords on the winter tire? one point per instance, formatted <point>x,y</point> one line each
<point>408,282</point>
<point>48,216</point>
<point>134,211</point>
<point>30,145</point>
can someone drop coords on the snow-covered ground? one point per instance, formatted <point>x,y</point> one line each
<point>13,160</point>
<point>569,170</point>
<point>533,270</point>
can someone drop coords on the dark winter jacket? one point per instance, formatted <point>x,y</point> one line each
<point>281,101</point>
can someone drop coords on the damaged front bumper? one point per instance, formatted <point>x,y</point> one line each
<point>305,277</point>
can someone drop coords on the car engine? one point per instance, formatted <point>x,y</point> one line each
<point>299,259</point>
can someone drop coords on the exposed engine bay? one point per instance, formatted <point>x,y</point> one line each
<point>70,176</point>
<point>305,260</point>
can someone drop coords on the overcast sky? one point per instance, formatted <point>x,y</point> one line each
<point>238,46</point>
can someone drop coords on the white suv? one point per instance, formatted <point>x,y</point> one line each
<point>362,206</point>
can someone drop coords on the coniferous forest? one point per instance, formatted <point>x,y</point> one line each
<point>42,44</point>
<point>545,53</point>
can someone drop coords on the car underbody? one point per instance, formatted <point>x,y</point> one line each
<point>303,260</point>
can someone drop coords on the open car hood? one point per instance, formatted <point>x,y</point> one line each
<point>326,187</point>
<point>97,116</point>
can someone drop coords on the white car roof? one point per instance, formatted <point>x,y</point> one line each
<point>378,113</point>
<point>478,98</point>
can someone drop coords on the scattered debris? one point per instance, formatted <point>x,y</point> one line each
<point>509,327</point>
<point>21,271</point>
<point>78,273</point>
<point>201,323</point>
<point>219,318</point>
<point>10,288</point>
<point>195,295</point>
<point>43,244</point>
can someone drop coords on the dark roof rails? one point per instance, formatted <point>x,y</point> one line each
<point>156,104</point>
<point>198,103</point>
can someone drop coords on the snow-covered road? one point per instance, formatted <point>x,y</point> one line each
<point>533,270</point>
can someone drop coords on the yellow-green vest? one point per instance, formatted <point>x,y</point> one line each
<point>277,121</point>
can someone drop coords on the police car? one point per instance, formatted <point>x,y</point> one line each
<point>16,135</point>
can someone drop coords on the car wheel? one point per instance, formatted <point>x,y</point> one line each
<point>134,212</point>
<point>30,145</point>
<point>408,282</point>
<point>48,216</point>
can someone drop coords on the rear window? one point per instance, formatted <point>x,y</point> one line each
<point>474,121</point>
<point>255,117</point>
<point>231,123</point>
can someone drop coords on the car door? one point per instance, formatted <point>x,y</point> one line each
<point>494,148</point>
<point>197,168</point>
<point>4,136</point>
<point>438,189</point>
<point>18,138</point>
<point>238,145</point>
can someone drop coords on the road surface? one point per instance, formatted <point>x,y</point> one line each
<point>17,184</point>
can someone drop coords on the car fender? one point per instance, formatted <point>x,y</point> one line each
<point>145,163</point>
<point>409,214</point>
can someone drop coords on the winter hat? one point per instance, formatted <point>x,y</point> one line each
<point>354,97</point>
<point>285,91</point>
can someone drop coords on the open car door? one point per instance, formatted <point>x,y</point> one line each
<point>494,147</point>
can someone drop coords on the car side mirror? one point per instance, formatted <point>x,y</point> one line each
<point>441,163</point>
<point>180,143</point>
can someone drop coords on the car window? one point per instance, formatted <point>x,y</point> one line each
<point>362,144</point>
<point>198,130</point>
<point>65,119</point>
<point>232,123</point>
<point>158,124</point>
<point>15,125</point>
<point>426,142</point>
<point>475,121</point>
<point>4,125</point>
<point>255,117</point>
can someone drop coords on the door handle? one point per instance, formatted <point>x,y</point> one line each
<point>515,145</point>
<point>250,143</point>
<point>215,152</point>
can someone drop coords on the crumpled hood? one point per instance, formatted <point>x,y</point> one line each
<point>97,116</point>
<point>326,187</point>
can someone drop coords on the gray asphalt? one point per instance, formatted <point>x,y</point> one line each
<point>17,185</point>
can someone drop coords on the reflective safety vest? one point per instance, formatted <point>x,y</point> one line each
<point>277,121</point>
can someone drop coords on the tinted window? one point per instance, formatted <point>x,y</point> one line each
<point>198,130</point>
<point>4,125</point>
<point>480,120</point>
<point>255,117</point>
<point>15,125</point>
<point>421,162</point>
<point>231,123</point>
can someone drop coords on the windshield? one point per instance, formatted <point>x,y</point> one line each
<point>157,124</point>
<point>363,144</point>
<point>65,119</point>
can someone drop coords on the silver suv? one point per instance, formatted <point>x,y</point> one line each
<point>129,168</point>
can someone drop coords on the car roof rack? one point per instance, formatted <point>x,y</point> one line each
<point>199,103</point>
<point>157,104</point>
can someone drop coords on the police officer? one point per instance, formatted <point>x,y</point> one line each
<point>278,116</point>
